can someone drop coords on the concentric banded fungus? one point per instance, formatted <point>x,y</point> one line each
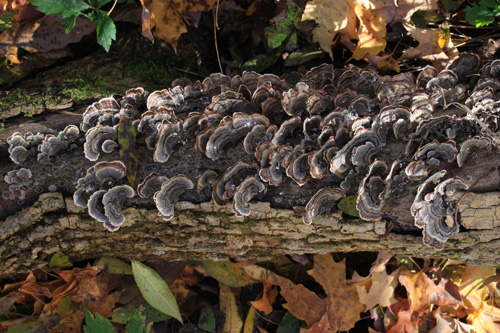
<point>342,160</point>
<point>469,145</point>
<point>325,200</point>
<point>246,191</point>
<point>206,179</point>
<point>95,141</point>
<point>100,113</point>
<point>168,139</point>
<point>372,190</point>
<point>244,135</point>
<point>169,194</point>
<point>150,185</point>
<point>429,157</point>
<point>112,201</point>
<point>224,188</point>
<point>433,208</point>
<point>23,147</point>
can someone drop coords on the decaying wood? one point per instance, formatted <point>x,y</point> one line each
<point>207,232</point>
<point>42,223</point>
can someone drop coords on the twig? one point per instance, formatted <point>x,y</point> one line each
<point>113,7</point>
<point>216,13</point>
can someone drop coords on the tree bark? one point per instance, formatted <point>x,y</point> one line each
<point>40,225</point>
<point>209,232</point>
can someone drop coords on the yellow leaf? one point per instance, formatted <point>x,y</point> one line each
<point>167,17</point>
<point>233,322</point>
<point>371,33</point>
<point>331,17</point>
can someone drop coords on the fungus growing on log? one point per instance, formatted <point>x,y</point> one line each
<point>254,137</point>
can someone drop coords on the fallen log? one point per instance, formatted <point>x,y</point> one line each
<point>394,166</point>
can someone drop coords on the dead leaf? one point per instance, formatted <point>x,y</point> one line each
<point>343,304</point>
<point>422,292</point>
<point>371,33</point>
<point>322,326</point>
<point>403,322</point>
<point>381,291</point>
<point>434,46</point>
<point>43,35</point>
<point>302,303</point>
<point>265,304</point>
<point>331,17</point>
<point>227,303</point>
<point>168,17</point>
<point>450,325</point>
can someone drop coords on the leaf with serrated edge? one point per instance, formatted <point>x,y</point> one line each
<point>155,290</point>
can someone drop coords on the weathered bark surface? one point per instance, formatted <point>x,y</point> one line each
<point>41,225</point>
<point>205,231</point>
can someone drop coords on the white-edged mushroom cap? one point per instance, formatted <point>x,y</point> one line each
<point>169,194</point>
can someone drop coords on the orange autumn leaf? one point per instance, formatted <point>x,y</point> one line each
<point>422,292</point>
<point>322,326</point>
<point>342,300</point>
<point>302,303</point>
<point>168,17</point>
<point>265,304</point>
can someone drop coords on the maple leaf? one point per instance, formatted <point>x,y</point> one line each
<point>450,325</point>
<point>168,17</point>
<point>484,317</point>
<point>398,318</point>
<point>265,304</point>
<point>422,292</point>
<point>371,33</point>
<point>342,301</point>
<point>382,288</point>
<point>331,17</point>
<point>435,45</point>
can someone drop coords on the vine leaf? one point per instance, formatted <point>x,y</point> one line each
<point>126,140</point>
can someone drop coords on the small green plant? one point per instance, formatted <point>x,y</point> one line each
<point>483,13</point>
<point>90,9</point>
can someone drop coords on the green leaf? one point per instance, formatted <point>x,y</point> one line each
<point>137,323</point>
<point>483,14</point>
<point>261,62</point>
<point>302,56</point>
<point>348,205</point>
<point>207,320</point>
<point>155,315</point>
<point>100,3</point>
<point>155,290</point>
<point>59,260</point>
<point>289,324</point>
<point>277,34</point>
<point>128,155</point>
<point>115,265</point>
<point>69,22</point>
<point>227,273</point>
<point>106,30</point>
<point>66,8</point>
<point>97,323</point>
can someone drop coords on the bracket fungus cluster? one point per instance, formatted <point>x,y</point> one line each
<point>335,133</point>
